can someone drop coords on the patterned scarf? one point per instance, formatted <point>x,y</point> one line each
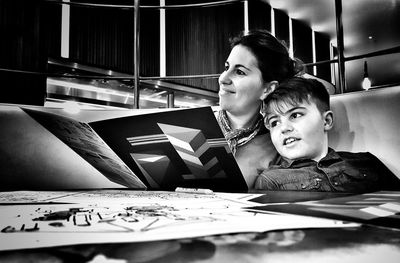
<point>238,137</point>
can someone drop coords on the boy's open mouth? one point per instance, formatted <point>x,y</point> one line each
<point>289,140</point>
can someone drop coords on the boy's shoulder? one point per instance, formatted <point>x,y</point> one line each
<point>368,163</point>
<point>356,155</point>
<point>360,160</point>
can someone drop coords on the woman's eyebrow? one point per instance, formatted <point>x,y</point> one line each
<point>242,66</point>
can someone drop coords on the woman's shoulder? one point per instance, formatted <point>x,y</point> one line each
<point>260,147</point>
<point>254,156</point>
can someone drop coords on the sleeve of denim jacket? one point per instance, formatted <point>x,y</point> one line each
<point>387,179</point>
<point>266,182</point>
<point>377,175</point>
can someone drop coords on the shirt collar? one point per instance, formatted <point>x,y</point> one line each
<point>331,156</point>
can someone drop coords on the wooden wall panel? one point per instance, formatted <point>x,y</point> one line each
<point>104,37</point>
<point>22,47</point>
<point>282,26</point>
<point>302,42</point>
<point>197,40</point>
<point>51,22</point>
<point>149,40</point>
<point>259,15</point>
<point>322,52</point>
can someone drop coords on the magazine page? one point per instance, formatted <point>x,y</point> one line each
<point>380,208</point>
<point>81,138</point>
<point>182,148</point>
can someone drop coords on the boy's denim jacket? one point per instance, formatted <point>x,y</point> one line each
<point>336,172</point>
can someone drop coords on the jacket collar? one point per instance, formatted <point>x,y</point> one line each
<point>331,157</point>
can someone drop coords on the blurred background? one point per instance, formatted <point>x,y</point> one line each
<point>55,53</point>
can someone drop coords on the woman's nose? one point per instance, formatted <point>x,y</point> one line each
<point>224,78</point>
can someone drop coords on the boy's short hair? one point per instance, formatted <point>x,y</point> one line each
<point>295,91</point>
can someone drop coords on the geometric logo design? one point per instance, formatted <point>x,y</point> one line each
<point>156,165</point>
<point>195,151</point>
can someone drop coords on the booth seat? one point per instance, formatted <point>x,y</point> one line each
<point>368,121</point>
<point>33,158</point>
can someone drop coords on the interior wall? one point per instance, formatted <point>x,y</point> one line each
<point>282,26</point>
<point>322,53</point>
<point>259,15</point>
<point>23,47</point>
<point>302,43</point>
<point>104,37</point>
<point>197,40</point>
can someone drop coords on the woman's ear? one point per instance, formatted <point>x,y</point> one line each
<point>268,88</point>
<point>328,120</point>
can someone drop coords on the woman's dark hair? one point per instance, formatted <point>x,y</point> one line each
<point>272,55</point>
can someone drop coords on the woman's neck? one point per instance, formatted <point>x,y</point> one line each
<point>243,120</point>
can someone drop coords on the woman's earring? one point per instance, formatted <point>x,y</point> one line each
<point>273,85</point>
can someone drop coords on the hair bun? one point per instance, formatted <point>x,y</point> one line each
<point>298,67</point>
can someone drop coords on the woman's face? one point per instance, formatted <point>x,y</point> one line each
<point>241,86</point>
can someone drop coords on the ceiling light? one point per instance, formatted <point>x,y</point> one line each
<point>366,83</point>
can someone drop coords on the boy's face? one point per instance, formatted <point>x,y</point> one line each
<point>300,132</point>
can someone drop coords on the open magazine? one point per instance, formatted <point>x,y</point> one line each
<point>156,151</point>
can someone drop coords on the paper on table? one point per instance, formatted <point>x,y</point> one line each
<point>143,216</point>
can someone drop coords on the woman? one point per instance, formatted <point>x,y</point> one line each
<point>255,66</point>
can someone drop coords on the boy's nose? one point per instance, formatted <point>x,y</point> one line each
<point>286,126</point>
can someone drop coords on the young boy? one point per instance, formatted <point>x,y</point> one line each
<point>298,116</point>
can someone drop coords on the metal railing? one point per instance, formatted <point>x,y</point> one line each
<point>341,59</point>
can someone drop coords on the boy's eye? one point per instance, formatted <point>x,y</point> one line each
<point>272,123</point>
<point>226,67</point>
<point>296,115</point>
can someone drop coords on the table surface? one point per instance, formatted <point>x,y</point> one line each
<point>354,244</point>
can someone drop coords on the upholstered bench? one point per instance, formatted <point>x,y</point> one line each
<point>368,121</point>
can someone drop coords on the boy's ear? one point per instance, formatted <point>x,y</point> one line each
<point>268,88</point>
<point>328,120</point>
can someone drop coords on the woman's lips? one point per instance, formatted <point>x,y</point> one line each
<point>224,90</point>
